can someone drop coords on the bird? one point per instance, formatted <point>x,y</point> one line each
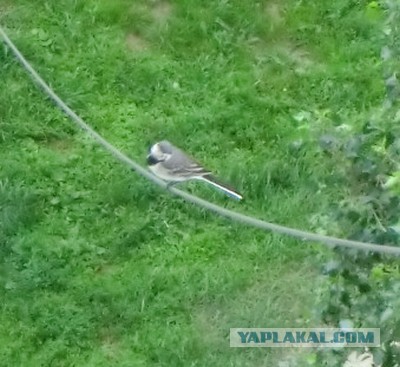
<point>173,165</point>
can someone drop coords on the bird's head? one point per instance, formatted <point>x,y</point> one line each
<point>159,152</point>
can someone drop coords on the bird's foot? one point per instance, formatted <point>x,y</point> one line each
<point>171,184</point>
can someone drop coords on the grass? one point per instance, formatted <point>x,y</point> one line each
<point>100,268</point>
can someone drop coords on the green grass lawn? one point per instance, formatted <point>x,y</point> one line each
<point>101,268</point>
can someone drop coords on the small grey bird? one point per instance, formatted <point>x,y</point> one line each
<point>173,165</point>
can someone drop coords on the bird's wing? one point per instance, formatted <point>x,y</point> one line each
<point>192,169</point>
<point>181,164</point>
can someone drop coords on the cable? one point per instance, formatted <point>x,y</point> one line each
<point>254,222</point>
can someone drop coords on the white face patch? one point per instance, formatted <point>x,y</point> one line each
<point>156,152</point>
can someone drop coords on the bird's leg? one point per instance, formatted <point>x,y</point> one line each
<point>170,184</point>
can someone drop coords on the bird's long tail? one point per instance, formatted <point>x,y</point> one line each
<point>222,186</point>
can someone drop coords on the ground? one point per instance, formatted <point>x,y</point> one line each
<point>101,268</point>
